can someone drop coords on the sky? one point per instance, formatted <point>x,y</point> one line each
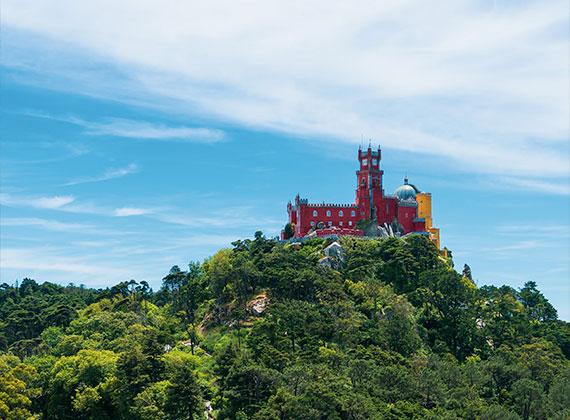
<point>136,135</point>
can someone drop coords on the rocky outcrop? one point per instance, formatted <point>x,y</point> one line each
<point>334,256</point>
<point>258,304</point>
<point>385,230</point>
<point>371,229</point>
<point>222,314</point>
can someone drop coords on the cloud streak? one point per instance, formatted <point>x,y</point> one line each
<point>119,127</point>
<point>54,225</point>
<point>49,203</point>
<point>136,129</point>
<point>130,211</point>
<point>484,86</point>
<point>107,175</point>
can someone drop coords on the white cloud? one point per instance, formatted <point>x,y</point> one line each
<point>119,127</point>
<point>522,245</point>
<point>48,260</point>
<point>482,84</point>
<point>130,211</point>
<point>143,130</point>
<point>62,204</point>
<point>46,224</point>
<point>53,203</point>
<point>549,230</point>
<point>108,174</point>
<point>559,188</point>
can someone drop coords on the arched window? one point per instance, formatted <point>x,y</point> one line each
<point>352,213</point>
<point>328,213</point>
<point>350,223</point>
<point>330,223</point>
<point>340,223</point>
<point>314,212</point>
<point>340,213</point>
<point>312,223</point>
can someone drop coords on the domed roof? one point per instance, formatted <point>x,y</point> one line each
<point>406,191</point>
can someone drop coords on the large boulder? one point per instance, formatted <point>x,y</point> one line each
<point>334,256</point>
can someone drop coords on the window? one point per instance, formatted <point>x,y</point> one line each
<point>328,213</point>
<point>340,213</point>
<point>312,223</point>
<point>421,212</point>
<point>314,212</point>
<point>387,208</point>
<point>350,223</point>
<point>352,213</point>
<point>340,223</point>
<point>330,223</point>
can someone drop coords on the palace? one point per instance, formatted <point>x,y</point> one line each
<point>374,213</point>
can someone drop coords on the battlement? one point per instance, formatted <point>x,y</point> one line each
<point>332,205</point>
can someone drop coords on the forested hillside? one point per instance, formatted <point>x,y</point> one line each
<point>386,329</point>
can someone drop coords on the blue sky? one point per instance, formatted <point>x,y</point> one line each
<point>137,137</point>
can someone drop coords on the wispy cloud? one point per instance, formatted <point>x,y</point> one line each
<point>136,129</point>
<point>48,260</point>
<point>483,85</point>
<point>64,203</point>
<point>534,229</point>
<point>46,224</point>
<point>108,174</point>
<point>130,211</point>
<point>53,203</point>
<point>561,187</point>
<point>120,127</point>
<point>38,223</point>
<point>529,244</point>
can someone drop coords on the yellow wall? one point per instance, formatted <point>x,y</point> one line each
<point>424,211</point>
<point>424,207</point>
<point>434,235</point>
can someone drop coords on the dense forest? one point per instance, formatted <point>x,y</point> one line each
<point>385,329</point>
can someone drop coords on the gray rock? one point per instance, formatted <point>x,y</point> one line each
<point>334,256</point>
<point>326,262</point>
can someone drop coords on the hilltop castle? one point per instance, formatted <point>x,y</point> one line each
<point>374,213</point>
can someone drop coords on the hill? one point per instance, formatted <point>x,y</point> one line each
<point>360,329</point>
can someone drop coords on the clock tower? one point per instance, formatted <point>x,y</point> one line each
<point>369,193</point>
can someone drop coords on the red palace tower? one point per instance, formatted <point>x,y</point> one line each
<point>394,214</point>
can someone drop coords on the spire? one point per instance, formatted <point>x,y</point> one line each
<point>406,180</point>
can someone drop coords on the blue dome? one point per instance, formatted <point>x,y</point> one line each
<point>406,191</point>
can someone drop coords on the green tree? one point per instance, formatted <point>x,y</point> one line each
<point>193,292</point>
<point>172,283</point>
<point>558,401</point>
<point>183,396</point>
<point>16,389</point>
<point>528,395</point>
<point>536,305</point>
<point>497,412</point>
<point>288,231</point>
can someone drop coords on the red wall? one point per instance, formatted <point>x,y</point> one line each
<point>302,214</point>
<point>306,212</point>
